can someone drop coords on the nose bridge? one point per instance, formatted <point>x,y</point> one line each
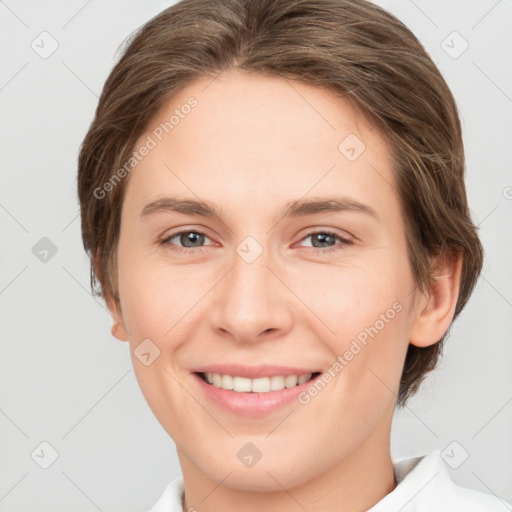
<point>249,302</point>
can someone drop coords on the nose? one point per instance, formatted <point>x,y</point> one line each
<point>251,303</point>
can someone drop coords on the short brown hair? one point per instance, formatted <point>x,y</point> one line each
<point>355,49</point>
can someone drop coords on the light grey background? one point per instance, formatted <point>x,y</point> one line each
<point>65,380</point>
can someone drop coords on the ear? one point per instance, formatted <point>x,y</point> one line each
<point>118,328</point>
<point>435,308</point>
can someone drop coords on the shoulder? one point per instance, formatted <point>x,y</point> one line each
<point>171,499</point>
<point>473,500</point>
<point>425,485</point>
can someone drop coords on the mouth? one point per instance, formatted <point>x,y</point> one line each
<point>241,384</point>
<point>253,391</point>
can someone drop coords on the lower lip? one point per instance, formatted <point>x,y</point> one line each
<point>251,405</point>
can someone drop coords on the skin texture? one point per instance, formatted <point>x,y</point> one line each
<point>252,144</point>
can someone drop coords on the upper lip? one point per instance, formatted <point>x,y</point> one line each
<point>253,372</point>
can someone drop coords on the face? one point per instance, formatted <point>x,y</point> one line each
<point>259,288</point>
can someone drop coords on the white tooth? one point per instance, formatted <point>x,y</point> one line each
<point>217,380</point>
<point>261,385</point>
<point>304,378</point>
<point>290,381</point>
<point>276,383</point>
<point>241,384</point>
<point>227,382</point>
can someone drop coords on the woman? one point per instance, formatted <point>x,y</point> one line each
<point>272,195</point>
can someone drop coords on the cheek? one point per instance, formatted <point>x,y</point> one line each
<point>154,299</point>
<point>350,297</point>
<point>152,294</point>
<point>361,314</point>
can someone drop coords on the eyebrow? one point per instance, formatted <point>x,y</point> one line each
<point>295,208</point>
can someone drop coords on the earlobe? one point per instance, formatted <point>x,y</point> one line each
<point>112,301</point>
<point>118,328</point>
<point>118,331</point>
<point>434,309</point>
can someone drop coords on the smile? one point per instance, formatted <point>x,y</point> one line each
<point>258,385</point>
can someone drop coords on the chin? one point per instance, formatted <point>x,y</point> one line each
<point>261,477</point>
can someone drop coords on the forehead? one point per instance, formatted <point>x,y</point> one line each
<point>257,136</point>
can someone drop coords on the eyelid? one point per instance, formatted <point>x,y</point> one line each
<point>328,229</point>
<point>201,231</point>
<point>344,237</point>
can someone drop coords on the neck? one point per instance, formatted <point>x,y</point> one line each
<point>356,483</point>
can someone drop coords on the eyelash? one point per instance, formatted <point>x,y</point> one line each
<point>181,250</point>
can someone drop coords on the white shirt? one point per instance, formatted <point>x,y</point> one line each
<point>424,485</point>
